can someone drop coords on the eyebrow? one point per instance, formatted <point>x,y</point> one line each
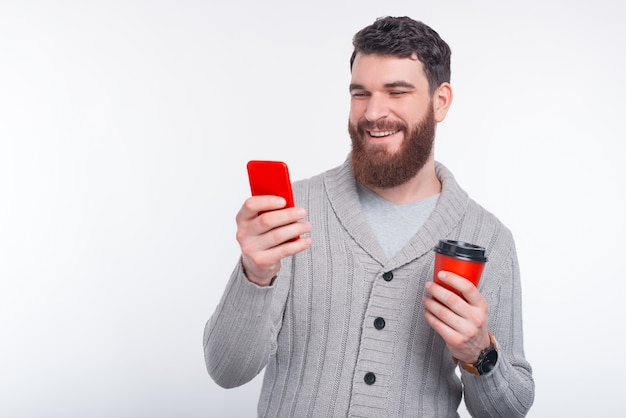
<point>400,84</point>
<point>391,85</point>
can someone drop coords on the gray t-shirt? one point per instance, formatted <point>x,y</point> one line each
<point>394,225</point>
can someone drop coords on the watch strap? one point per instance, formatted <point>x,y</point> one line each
<point>473,368</point>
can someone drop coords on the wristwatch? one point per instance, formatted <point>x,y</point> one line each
<point>486,360</point>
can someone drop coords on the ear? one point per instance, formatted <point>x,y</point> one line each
<point>442,99</point>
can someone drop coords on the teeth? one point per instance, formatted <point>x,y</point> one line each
<point>381,134</point>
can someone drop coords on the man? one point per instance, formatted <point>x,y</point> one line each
<point>347,320</point>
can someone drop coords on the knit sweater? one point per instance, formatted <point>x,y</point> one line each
<point>314,331</point>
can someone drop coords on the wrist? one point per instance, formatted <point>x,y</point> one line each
<point>262,282</point>
<point>487,359</point>
<point>259,280</point>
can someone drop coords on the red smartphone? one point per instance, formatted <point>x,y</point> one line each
<point>270,178</point>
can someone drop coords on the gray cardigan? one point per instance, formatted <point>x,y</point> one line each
<point>313,329</point>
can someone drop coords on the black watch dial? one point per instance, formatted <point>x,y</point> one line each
<point>488,362</point>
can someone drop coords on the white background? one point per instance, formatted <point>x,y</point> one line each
<point>125,127</point>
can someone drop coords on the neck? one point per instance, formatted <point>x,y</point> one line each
<point>424,184</point>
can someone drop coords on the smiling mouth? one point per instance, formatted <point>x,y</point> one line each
<point>381,134</point>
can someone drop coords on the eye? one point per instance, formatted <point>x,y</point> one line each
<point>397,93</point>
<point>359,94</point>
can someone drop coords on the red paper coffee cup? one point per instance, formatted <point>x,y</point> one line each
<point>462,258</point>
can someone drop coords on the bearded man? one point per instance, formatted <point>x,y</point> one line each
<point>347,320</point>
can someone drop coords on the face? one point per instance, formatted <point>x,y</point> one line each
<point>392,120</point>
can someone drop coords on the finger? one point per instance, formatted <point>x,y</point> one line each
<point>278,218</point>
<point>270,257</point>
<point>256,247</point>
<point>462,346</point>
<point>442,312</point>
<point>254,231</point>
<point>262,266</point>
<point>442,328</point>
<point>447,297</point>
<point>290,248</point>
<point>282,234</point>
<point>467,289</point>
<point>255,204</point>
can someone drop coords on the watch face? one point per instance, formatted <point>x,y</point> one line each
<point>489,362</point>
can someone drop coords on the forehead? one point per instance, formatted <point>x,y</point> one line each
<point>373,70</point>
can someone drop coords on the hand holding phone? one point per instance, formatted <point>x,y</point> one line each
<point>261,254</point>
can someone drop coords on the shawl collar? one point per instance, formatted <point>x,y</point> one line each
<point>342,193</point>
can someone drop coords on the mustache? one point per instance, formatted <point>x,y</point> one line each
<point>381,125</point>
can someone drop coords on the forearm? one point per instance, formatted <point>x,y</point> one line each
<point>508,390</point>
<point>238,335</point>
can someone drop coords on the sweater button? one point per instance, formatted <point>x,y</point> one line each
<point>379,323</point>
<point>370,378</point>
<point>388,276</point>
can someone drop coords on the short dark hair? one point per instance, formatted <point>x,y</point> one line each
<point>402,37</point>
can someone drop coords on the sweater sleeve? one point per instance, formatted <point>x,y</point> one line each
<point>239,336</point>
<point>508,390</point>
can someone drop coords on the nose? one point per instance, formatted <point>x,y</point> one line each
<point>377,108</point>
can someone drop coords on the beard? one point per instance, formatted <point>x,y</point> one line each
<point>376,167</point>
